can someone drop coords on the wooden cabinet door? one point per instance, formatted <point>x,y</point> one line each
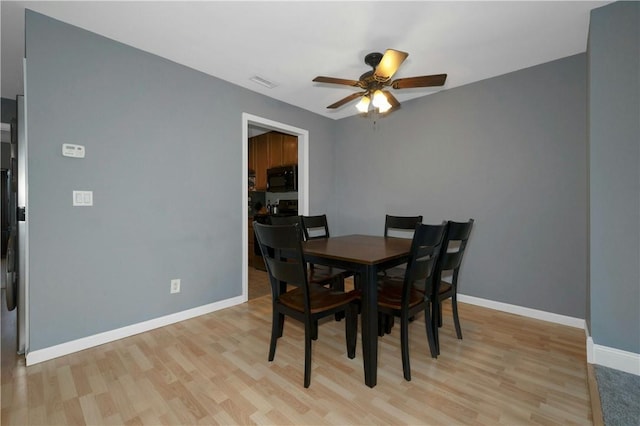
<point>262,161</point>
<point>275,149</point>
<point>289,150</point>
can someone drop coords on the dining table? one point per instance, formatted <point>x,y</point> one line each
<point>365,255</point>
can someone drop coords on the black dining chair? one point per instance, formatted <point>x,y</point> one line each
<point>399,227</point>
<point>282,250</point>
<point>317,227</point>
<point>451,253</point>
<point>413,294</point>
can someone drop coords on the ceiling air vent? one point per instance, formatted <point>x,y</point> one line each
<point>263,82</point>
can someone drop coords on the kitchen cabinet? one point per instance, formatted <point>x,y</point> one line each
<point>273,149</point>
<point>289,150</point>
<point>261,162</point>
<point>283,149</point>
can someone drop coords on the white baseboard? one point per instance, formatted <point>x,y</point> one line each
<point>629,362</point>
<point>596,354</point>
<point>67,348</point>
<point>525,312</point>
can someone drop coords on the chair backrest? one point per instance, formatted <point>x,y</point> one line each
<point>405,224</point>
<point>286,220</point>
<point>421,266</point>
<point>315,227</point>
<point>282,251</point>
<point>454,245</point>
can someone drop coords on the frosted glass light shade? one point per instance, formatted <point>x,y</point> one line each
<point>384,107</point>
<point>363,105</point>
<point>379,99</point>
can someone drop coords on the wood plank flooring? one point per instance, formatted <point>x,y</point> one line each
<point>213,369</point>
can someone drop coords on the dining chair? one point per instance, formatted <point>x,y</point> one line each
<point>451,253</point>
<point>317,227</point>
<point>399,227</point>
<point>282,250</point>
<point>402,227</point>
<point>407,297</point>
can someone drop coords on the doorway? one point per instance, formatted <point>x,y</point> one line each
<point>252,123</point>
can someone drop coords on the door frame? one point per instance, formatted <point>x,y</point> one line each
<point>303,179</point>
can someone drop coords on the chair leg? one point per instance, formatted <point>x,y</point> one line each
<point>280,325</point>
<point>277,325</point>
<point>456,320</point>
<point>338,284</point>
<point>439,313</point>
<point>381,324</point>
<point>389,321</point>
<point>385,324</point>
<point>435,306</point>
<point>351,330</point>
<point>308,327</point>
<point>404,342</point>
<point>314,330</point>
<point>432,333</point>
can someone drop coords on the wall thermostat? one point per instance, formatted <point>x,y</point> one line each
<point>70,150</point>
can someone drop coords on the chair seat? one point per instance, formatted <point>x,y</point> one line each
<point>323,274</point>
<point>397,272</point>
<point>390,294</point>
<point>445,287</point>
<point>322,298</point>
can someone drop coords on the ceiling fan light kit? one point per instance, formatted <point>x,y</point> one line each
<point>373,82</point>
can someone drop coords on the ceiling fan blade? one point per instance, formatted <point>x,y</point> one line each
<point>321,79</point>
<point>345,100</point>
<point>392,99</point>
<point>422,81</point>
<point>389,64</point>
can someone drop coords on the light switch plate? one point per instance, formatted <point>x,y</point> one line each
<point>82,198</point>
<point>70,150</point>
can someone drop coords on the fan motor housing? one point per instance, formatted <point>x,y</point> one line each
<point>373,59</point>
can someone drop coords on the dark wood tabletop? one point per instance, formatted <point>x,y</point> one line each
<point>365,255</point>
<point>364,249</point>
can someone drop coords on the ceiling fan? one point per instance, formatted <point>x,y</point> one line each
<point>374,82</point>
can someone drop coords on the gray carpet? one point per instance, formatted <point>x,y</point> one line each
<point>619,396</point>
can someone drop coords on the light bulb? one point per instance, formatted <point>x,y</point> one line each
<point>363,105</point>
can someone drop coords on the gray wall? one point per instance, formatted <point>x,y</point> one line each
<point>509,152</point>
<point>164,159</point>
<point>162,141</point>
<point>614,167</point>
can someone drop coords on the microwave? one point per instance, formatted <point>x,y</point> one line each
<point>282,179</point>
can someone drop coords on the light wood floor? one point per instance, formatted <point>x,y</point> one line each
<point>213,370</point>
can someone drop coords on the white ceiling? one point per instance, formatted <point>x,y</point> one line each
<point>292,42</point>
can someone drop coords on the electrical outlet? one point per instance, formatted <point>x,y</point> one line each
<point>175,286</point>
